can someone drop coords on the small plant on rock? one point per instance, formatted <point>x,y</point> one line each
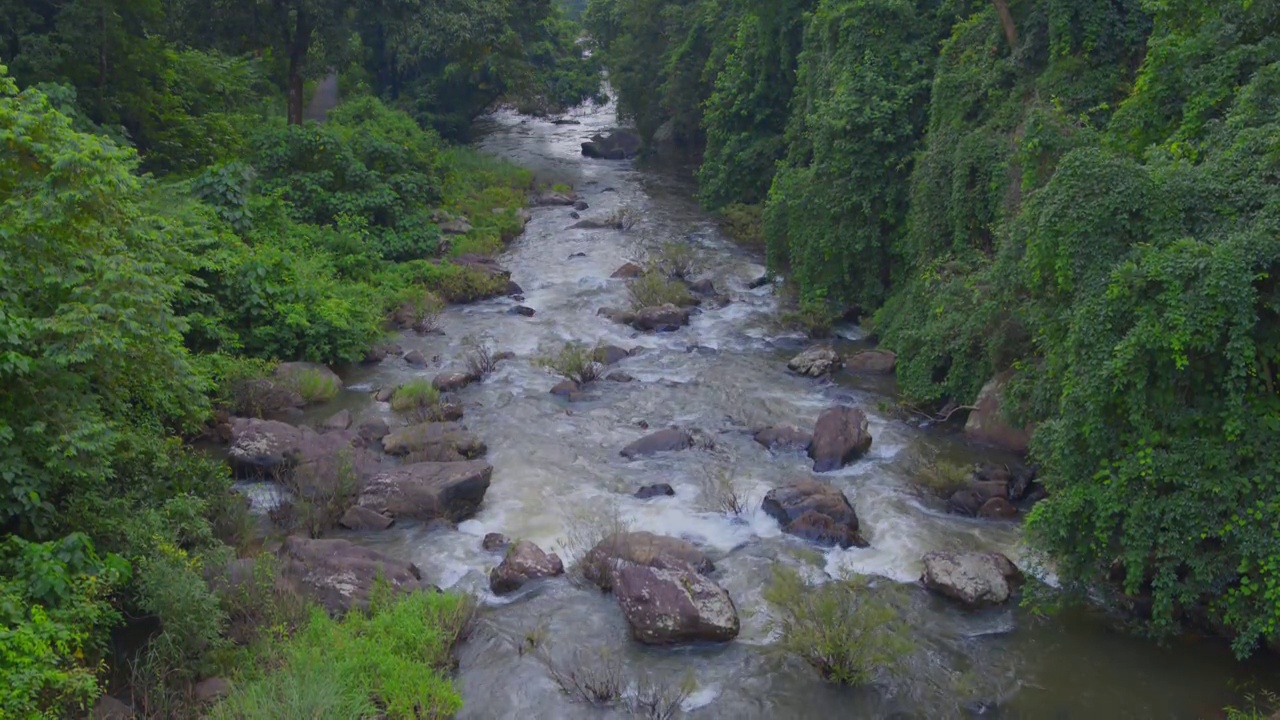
<point>624,218</point>
<point>415,395</point>
<point>481,360</point>
<point>315,386</point>
<point>655,288</point>
<point>574,361</point>
<point>676,259</point>
<point>721,491</point>
<point>323,489</point>
<point>845,629</point>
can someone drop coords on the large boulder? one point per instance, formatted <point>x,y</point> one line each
<point>362,518</point>
<point>434,442</point>
<point>628,271</point>
<point>639,548</point>
<point>429,490</point>
<point>974,579</point>
<point>815,362</point>
<point>669,602</point>
<point>839,437</point>
<point>784,437</point>
<point>872,362</point>
<point>617,145</point>
<point>987,425</point>
<point>524,562</point>
<point>667,440</point>
<point>289,373</point>
<point>816,512</point>
<point>339,575</point>
<point>451,381</point>
<point>269,448</point>
<point>661,318</point>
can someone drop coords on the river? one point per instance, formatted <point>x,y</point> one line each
<point>557,471</point>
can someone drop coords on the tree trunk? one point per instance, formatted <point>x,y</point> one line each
<point>1006,20</point>
<point>298,46</point>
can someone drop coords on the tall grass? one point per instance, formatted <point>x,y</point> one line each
<point>415,395</point>
<point>655,288</point>
<point>314,386</point>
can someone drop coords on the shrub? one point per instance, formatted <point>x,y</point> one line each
<point>322,489</point>
<point>744,224</point>
<point>599,677</point>
<point>676,260</point>
<point>655,288</point>
<point>414,395</point>
<point>722,492</point>
<point>574,361</point>
<point>388,663</point>
<point>314,386</point>
<point>841,628</point>
<point>480,358</point>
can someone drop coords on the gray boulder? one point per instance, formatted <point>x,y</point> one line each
<point>524,562</point>
<point>639,548</point>
<point>661,318</point>
<point>667,440</point>
<point>339,575</point>
<point>429,490</point>
<point>839,437</point>
<point>669,602</point>
<point>974,579</point>
<point>784,437</point>
<point>815,362</point>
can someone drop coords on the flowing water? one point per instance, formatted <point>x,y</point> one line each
<point>557,474</point>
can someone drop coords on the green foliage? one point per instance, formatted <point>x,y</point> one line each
<point>575,362</point>
<point>655,288</point>
<point>843,628</point>
<point>414,395</point>
<point>745,224</point>
<point>314,386</point>
<point>390,662</point>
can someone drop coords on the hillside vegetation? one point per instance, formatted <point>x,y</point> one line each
<point>1083,193</point>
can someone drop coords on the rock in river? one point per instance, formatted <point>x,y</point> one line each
<point>339,575</point>
<point>974,579</point>
<point>816,512</point>
<point>429,490</point>
<point>652,491</point>
<point>839,437</point>
<point>784,437</point>
<point>669,602</point>
<point>362,518</point>
<point>668,440</point>
<point>660,318</point>
<point>639,548</point>
<point>871,362</point>
<point>435,442</point>
<point>815,362</point>
<point>628,271</point>
<point>524,562</point>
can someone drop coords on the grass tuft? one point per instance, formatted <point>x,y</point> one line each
<point>415,395</point>
<point>574,361</point>
<point>654,288</point>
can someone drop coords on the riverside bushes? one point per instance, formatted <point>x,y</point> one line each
<point>1084,195</point>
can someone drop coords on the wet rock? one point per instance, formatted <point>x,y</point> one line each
<point>619,377</point>
<point>780,438</point>
<point>373,430</point>
<point>596,224</point>
<point>566,121</point>
<point>109,708</point>
<point>816,512</point>
<point>639,548</point>
<point>1020,482</point>
<point>628,271</point>
<point>211,690</point>
<point>440,525</point>
<point>494,542</point>
<point>760,282</point>
<point>451,381</point>
<point>548,199</point>
<point>652,491</point>
<point>716,302</point>
<point>514,291</point>
<point>340,420</point>
<point>362,518</point>
<point>671,603</point>
<point>661,318</point>
<point>666,440</point>
<point>815,362</point>
<point>618,145</point>
<point>339,575</point>
<point>987,424</point>
<point>504,355</point>
<point>580,205</point>
<point>262,448</point>
<point>289,372</point>
<point>384,394</point>
<point>618,315</point>
<point>577,255</point>
<point>966,501</point>
<point>415,358</point>
<point>974,579</point>
<point>610,354</point>
<point>565,389</point>
<point>380,352</point>
<point>997,509</point>
<point>522,310</point>
<point>429,490</point>
<point>701,350</point>
<point>703,287</point>
<point>839,437</point>
<point>871,362</point>
<point>435,442</point>
<point>524,562</point>
<point>608,190</point>
<point>575,215</point>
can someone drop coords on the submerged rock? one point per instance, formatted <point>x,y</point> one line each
<point>524,562</point>
<point>815,362</point>
<point>639,548</point>
<point>667,440</point>
<point>839,437</point>
<point>815,512</point>
<point>652,491</point>
<point>523,311</point>
<point>339,575</point>
<point>669,602</point>
<point>435,442</point>
<point>974,579</point>
<point>429,490</point>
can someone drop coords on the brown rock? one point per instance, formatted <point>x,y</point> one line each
<point>668,440</point>
<point>435,442</point>
<point>816,512</point>
<point>783,438</point>
<point>340,420</point>
<point>670,602</point>
<point>415,358</point>
<point>494,542</point>
<point>566,389</point>
<point>652,491</point>
<point>839,437</point>
<point>661,318</point>
<point>997,508</point>
<point>524,562</point>
<point>628,272</point>
<point>987,424</point>
<point>872,362</point>
<point>451,381</point>
<point>429,490</point>
<point>339,575</point>
<point>109,708</point>
<point>362,518</point>
<point>703,287</point>
<point>639,548</point>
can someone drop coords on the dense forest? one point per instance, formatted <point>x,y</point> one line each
<point>1079,198</point>
<point>169,230</point>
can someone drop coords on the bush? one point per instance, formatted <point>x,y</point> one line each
<point>322,491</point>
<point>388,663</point>
<point>676,260</point>
<point>315,386</point>
<point>744,224</point>
<point>575,362</point>
<point>415,395</point>
<point>842,628</point>
<point>655,288</point>
<point>721,491</point>
<point>599,677</point>
<point>481,361</point>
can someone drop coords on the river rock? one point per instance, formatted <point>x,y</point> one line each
<point>815,362</point>
<point>760,282</point>
<point>435,442</point>
<point>816,512</point>
<point>610,354</point>
<point>109,708</point>
<point>580,205</point>
<point>373,430</point>
<point>340,420</point>
<point>494,542</point>
<point>781,438</point>
<point>639,548</point>
<point>997,509</point>
<point>669,602</point>
<point>987,425</point>
<point>703,287</point>
<point>619,377</point>
<point>522,311</point>
<point>661,318</point>
<point>362,518</point>
<point>974,579</point>
<point>429,490</point>
<point>871,362</point>
<point>617,145</point>
<point>652,491</point>
<point>628,271</point>
<point>262,448</point>
<point>524,562</point>
<point>666,440</point>
<point>339,575</point>
<point>379,352</point>
<point>211,690</point>
<point>839,437</point>
<point>415,358</point>
<point>547,199</point>
<point>451,381</point>
<point>618,315</point>
<point>288,372</point>
<point>565,389</point>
